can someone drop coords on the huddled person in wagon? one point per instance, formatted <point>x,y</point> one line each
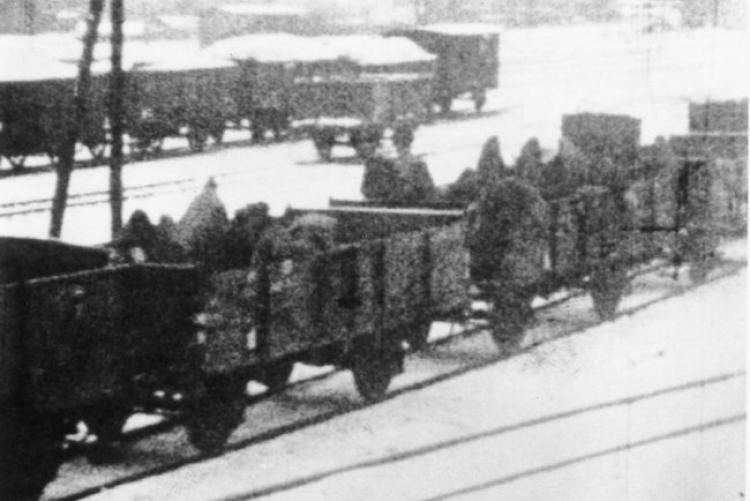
<point>403,179</point>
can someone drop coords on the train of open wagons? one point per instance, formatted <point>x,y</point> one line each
<point>348,89</point>
<point>86,340</point>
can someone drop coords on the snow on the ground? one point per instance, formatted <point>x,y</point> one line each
<point>648,407</point>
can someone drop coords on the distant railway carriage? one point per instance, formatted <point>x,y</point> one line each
<point>467,60</point>
<point>189,96</point>
<point>36,107</point>
<point>266,81</point>
<point>357,111</point>
<point>369,81</point>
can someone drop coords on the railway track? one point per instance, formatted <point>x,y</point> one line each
<point>539,335</point>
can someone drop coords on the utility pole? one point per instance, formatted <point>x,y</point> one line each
<point>116,112</point>
<point>80,102</point>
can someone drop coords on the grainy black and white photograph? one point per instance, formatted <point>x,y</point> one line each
<point>368,250</point>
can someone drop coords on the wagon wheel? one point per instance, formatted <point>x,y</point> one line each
<point>510,315</point>
<point>107,425</point>
<point>215,415</point>
<point>17,162</point>
<point>53,159</point>
<point>217,132</point>
<point>97,151</point>
<point>372,369</point>
<point>279,131</point>
<point>29,454</point>
<point>418,334</point>
<point>145,146</point>
<point>365,140</point>
<point>699,269</point>
<point>196,138</point>
<point>445,103</point>
<point>257,131</point>
<point>366,149</point>
<point>607,287</point>
<point>276,376</point>
<point>480,98</point>
<point>324,142</point>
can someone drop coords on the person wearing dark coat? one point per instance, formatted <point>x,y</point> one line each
<point>137,241</point>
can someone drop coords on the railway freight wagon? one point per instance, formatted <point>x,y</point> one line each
<point>268,65</point>
<point>83,341</point>
<point>189,95</point>
<point>609,206</point>
<point>36,107</point>
<point>467,60</point>
<point>357,110</point>
<point>340,89</point>
<point>86,341</point>
<point>349,302</point>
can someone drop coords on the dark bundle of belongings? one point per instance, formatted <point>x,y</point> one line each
<point>204,235</point>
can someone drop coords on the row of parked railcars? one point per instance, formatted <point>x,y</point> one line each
<point>266,82</point>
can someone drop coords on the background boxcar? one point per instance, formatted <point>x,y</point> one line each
<point>467,60</point>
<point>36,107</point>
<point>357,110</point>
<point>186,95</point>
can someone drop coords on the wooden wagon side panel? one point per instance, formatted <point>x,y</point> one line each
<point>405,288</point>
<point>230,321</point>
<point>345,98</point>
<point>75,347</point>
<point>295,306</point>
<point>449,270</point>
<point>96,332</point>
<point>370,283</point>
<point>10,331</point>
<point>564,252</point>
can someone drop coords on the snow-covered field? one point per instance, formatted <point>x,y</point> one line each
<point>545,72</point>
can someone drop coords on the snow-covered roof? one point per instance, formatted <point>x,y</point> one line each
<point>261,10</point>
<point>188,61</point>
<point>272,47</point>
<point>180,22</point>
<point>365,50</point>
<point>37,70</point>
<point>462,29</point>
<point>372,50</point>
<point>37,57</point>
<point>48,45</point>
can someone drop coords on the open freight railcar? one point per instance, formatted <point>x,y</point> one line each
<point>613,204</point>
<point>339,89</point>
<point>350,304</point>
<point>36,109</point>
<point>383,81</point>
<point>467,60</point>
<point>84,341</point>
<point>187,95</point>
<point>357,110</point>
<point>268,65</point>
